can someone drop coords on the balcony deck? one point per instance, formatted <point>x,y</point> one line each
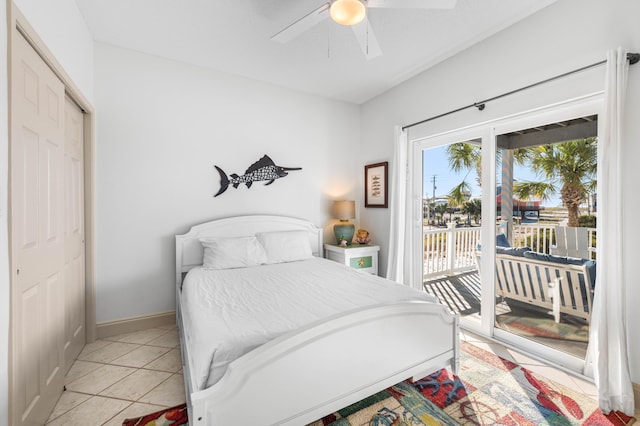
<point>461,293</point>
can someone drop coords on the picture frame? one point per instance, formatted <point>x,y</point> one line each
<point>376,177</point>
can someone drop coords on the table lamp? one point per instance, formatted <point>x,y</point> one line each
<point>343,211</point>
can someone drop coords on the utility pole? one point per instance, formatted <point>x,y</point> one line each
<point>433,199</point>
<point>433,180</point>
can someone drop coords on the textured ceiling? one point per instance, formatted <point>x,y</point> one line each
<point>233,36</point>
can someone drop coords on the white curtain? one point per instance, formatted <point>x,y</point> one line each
<point>398,232</point>
<point>608,335</point>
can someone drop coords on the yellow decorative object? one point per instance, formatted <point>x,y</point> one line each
<point>362,237</point>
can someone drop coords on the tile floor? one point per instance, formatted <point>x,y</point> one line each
<point>122,377</point>
<point>138,373</point>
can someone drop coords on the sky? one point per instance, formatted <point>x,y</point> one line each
<point>436,162</point>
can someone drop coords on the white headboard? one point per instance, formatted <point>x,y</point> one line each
<point>189,250</point>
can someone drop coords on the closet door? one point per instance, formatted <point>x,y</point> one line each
<point>37,236</point>
<point>74,233</point>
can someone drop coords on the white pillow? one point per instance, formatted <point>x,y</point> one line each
<point>285,246</point>
<point>227,253</point>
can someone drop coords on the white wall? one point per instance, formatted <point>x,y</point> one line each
<point>567,35</point>
<point>162,125</point>
<point>62,27</point>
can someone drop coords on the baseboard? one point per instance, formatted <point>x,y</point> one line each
<point>129,325</point>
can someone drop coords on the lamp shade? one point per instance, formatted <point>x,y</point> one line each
<point>344,210</point>
<point>347,12</point>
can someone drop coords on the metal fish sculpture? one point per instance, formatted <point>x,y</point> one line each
<point>263,169</point>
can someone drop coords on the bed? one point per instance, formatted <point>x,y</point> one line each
<point>286,342</point>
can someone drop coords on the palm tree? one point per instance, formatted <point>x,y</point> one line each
<point>468,156</point>
<point>450,209</point>
<point>570,166</point>
<point>432,213</point>
<point>440,209</point>
<point>465,156</point>
<point>473,208</point>
<point>458,195</point>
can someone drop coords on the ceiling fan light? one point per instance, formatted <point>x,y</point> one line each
<point>347,12</point>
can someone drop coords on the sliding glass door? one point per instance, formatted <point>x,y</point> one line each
<point>546,184</point>
<point>451,217</point>
<point>508,217</point>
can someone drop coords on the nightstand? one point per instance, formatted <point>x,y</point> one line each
<point>360,257</point>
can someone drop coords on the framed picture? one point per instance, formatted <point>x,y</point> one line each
<point>375,185</point>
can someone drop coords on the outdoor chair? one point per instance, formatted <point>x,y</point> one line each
<point>571,242</point>
<point>558,284</point>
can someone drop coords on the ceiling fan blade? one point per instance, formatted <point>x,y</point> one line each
<point>412,4</point>
<point>303,24</point>
<point>367,39</point>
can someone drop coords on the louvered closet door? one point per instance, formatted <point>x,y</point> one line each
<point>37,236</point>
<point>74,233</point>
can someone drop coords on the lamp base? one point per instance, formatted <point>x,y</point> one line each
<point>344,231</point>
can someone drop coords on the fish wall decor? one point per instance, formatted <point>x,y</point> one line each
<point>263,169</point>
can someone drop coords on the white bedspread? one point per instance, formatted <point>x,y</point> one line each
<point>227,313</point>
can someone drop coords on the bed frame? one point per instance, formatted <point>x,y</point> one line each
<point>307,374</point>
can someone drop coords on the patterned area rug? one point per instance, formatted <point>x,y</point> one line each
<point>489,391</point>
<point>174,416</point>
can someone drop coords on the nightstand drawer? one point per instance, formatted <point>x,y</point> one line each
<point>361,262</point>
<point>359,257</point>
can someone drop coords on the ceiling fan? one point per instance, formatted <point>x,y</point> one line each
<point>353,13</point>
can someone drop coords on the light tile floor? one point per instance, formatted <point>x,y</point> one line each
<point>121,377</point>
<point>138,373</point>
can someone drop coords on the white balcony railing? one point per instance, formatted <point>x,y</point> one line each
<point>449,250</point>
<point>452,250</point>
